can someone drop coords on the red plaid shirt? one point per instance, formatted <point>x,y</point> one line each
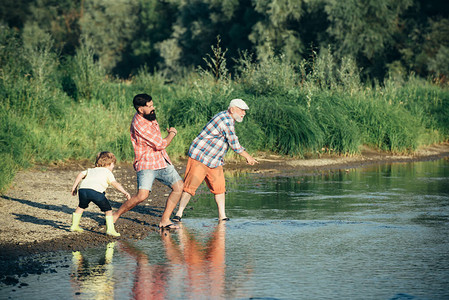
<point>149,146</point>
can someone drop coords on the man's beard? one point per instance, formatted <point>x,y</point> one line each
<point>237,118</point>
<point>151,116</point>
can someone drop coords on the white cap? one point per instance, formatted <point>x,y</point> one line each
<point>238,103</point>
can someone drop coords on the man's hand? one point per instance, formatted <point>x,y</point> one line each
<point>172,130</point>
<point>251,161</point>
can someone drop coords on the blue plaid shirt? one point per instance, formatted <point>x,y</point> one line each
<point>211,145</point>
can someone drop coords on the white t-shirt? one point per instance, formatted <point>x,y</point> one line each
<point>97,179</point>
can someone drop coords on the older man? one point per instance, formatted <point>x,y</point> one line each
<point>206,155</point>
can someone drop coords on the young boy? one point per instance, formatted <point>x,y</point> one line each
<point>94,182</point>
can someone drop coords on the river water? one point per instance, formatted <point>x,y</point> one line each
<point>371,233</point>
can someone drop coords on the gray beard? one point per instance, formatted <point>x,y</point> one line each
<point>237,118</point>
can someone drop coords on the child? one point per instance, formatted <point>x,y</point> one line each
<point>94,182</point>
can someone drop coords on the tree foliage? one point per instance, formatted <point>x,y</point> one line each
<point>111,25</point>
<point>364,27</point>
<point>277,32</point>
<point>383,36</point>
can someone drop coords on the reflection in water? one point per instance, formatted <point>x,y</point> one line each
<point>93,281</point>
<point>205,267</point>
<point>191,268</point>
<point>150,280</point>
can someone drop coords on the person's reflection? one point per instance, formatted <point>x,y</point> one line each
<point>150,280</point>
<point>205,266</point>
<point>94,281</point>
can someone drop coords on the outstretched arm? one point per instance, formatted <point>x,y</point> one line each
<point>120,188</point>
<point>77,181</point>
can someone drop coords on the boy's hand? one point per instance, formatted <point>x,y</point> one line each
<point>74,191</point>
<point>128,196</point>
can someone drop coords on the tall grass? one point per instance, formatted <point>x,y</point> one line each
<point>55,109</point>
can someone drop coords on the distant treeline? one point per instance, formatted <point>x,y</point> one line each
<point>170,36</point>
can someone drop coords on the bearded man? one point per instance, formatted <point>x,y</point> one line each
<point>151,161</point>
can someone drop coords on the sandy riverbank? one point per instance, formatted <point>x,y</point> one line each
<point>35,213</point>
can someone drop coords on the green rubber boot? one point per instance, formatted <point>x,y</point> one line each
<point>76,222</point>
<point>110,230</point>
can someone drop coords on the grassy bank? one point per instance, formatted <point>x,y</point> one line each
<point>56,109</point>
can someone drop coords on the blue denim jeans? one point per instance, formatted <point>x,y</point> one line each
<point>167,176</point>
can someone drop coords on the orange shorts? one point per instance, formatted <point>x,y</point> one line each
<point>197,172</point>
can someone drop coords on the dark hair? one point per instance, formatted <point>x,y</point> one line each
<point>104,159</point>
<point>141,100</point>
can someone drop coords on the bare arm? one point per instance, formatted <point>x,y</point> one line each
<point>249,159</point>
<point>77,181</point>
<point>120,188</point>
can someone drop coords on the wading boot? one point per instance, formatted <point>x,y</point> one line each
<point>110,230</point>
<point>76,222</point>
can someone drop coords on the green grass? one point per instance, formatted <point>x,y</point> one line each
<point>72,110</point>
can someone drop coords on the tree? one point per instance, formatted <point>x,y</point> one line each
<point>153,25</point>
<point>111,24</point>
<point>14,13</point>
<point>422,38</point>
<point>59,19</point>
<point>364,29</point>
<point>197,26</point>
<point>437,48</point>
<point>277,31</point>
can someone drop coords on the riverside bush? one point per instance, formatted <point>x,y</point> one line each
<point>72,110</point>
